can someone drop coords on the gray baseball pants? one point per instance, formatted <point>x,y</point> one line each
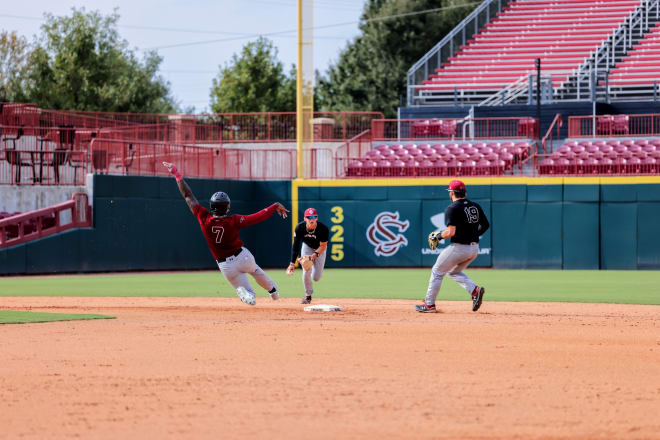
<point>315,272</point>
<point>452,261</point>
<point>235,270</point>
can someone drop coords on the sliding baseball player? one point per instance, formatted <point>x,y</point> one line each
<point>221,232</point>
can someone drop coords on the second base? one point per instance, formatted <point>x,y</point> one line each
<point>323,308</point>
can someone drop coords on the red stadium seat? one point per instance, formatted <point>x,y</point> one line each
<point>398,168</point>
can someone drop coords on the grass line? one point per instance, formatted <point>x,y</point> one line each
<point>625,287</point>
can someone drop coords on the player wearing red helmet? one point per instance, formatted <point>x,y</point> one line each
<point>310,240</point>
<point>466,222</point>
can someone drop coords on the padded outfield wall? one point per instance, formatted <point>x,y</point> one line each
<point>539,223</point>
<point>142,223</point>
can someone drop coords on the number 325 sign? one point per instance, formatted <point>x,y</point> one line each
<point>337,234</point>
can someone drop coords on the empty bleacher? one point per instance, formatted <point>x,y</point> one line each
<point>603,157</point>
<point>441,159</point>
<point>640,67</point>
<point>562,33</point>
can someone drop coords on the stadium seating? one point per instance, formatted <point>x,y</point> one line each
<point>641,65</point>
<point>562,33</point>
<point>627,156</point>
<point>446,159</point>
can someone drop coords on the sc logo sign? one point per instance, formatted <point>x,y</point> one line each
<point>386,233</point>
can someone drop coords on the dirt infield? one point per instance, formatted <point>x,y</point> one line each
<point>215,368</point>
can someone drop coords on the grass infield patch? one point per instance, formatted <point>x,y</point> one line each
<point>590,286</point>
<point>24,317</point>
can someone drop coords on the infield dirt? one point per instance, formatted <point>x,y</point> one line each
<point>215,368</point>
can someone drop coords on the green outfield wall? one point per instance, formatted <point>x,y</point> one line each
<point>142,223</point>
<point>548,223</point>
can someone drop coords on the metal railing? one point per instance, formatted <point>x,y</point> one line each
<point>614,125</point>
<point>144,158</point>
<point>557,123</point>
<point>355,147</point>
<point>438,129</point>
<point>221,127</point>
<point>21,228</point>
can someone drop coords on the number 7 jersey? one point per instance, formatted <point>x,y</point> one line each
<point>222,234</point>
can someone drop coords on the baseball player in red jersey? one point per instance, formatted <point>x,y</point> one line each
<point>221,232</point>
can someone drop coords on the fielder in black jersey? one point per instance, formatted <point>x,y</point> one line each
<point>466,222</point>
<point>310,241</point>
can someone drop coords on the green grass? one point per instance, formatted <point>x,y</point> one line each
<point>627,287</point>
<point>21,317</point>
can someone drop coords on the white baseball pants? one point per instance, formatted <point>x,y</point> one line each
<point>315,272</point>
<point>235,270</point>
<point>452,261</point>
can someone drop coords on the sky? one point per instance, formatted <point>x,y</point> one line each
<point>190,68</point>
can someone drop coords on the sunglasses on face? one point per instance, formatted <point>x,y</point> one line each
<point>312,217</point>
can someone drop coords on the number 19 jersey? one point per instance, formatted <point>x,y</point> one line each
<point>469,219</point>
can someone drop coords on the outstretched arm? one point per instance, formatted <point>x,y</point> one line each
<point>185,190</point>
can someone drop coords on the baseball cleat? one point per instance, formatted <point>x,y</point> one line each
<point>246,296</point>
<point>477,297</point>
<point>306,300</point>
<point>274,295</point>
<point>425,308</point>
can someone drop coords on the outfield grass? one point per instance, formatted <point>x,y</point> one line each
<point>626,287</point>
<point>22,317</point>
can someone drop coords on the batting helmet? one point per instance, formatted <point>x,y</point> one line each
<point>220,203</point>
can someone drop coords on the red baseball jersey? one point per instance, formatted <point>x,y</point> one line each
<point>222,233</point>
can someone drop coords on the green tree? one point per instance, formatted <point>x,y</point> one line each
<point>14,51</point>
<point>254,81</point>
<point>81,63</point>
<point>370,74</point>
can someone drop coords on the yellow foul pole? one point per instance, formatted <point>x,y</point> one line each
<point>299,99</point>
<point>304,93</point>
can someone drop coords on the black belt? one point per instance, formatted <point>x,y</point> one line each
<point>235,254</point>
<point>466,244</point>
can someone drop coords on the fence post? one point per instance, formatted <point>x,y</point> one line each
<point>607,86</point>
<point>592,85</point>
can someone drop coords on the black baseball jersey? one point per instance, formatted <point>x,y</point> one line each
<point>469,219</point>
<point>311,238</point>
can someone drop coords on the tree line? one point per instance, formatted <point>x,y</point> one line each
<point>80,62</point>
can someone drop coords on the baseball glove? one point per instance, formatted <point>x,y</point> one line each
<point>434,239</point>
<point>306,262</point>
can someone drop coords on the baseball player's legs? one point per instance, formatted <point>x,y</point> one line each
<point>317,269</point>
<point>236,277</point>
<point>249,265</point>
<point>307,274</point>
<point>457,273</point>
<point>450,257</point>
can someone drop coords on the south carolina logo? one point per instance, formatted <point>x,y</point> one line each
<point>385,233</point>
